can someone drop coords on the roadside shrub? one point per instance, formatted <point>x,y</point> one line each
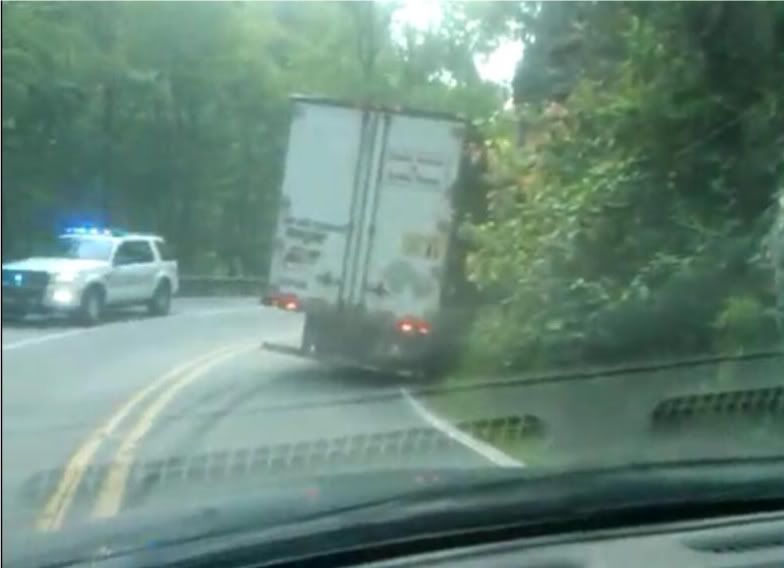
<point>623,228</point>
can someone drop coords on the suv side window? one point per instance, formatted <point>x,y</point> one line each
<point>165,251</point>
<point>133,252</point>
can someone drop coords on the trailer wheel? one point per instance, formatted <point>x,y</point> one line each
<point>433,367</point>
<point>312,334</point>
<point>427,374</point>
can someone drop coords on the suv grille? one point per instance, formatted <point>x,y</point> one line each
<point>24,285</point>
<point>25,279</point>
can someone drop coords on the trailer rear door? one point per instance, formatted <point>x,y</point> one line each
<point>326,152</point>
<point>410,216</point>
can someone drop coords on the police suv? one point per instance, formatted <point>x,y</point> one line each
<point>87,270</point>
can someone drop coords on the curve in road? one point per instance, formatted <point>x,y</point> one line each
<point>145,390</point>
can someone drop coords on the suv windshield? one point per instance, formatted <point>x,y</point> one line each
<point>78,247</point>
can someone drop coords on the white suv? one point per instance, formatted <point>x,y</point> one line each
<point>87,269</point>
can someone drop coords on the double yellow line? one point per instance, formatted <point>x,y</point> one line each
<point>112,490</point>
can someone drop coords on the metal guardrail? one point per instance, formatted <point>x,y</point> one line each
<point>194,285</point>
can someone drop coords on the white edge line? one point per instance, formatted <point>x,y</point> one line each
<point>43,339</point>
<point>217,311</point>
<point>52,336</point>
<point>490,453</point>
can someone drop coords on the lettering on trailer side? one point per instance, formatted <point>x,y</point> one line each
<point>317,225</point>
<point>307,237</point>
<point>419,169</point>
<point>297,255</point>
<point>292,283</point>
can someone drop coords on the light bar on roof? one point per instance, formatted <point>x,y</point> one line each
<point>87,231</point>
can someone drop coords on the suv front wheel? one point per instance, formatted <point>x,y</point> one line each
<point>91,308</point>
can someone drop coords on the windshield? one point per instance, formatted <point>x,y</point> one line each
<point>79,248</point>
<point>362,239</point>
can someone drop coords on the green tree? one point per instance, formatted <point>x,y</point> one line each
<point>112,112</point>
<point>627,223</point>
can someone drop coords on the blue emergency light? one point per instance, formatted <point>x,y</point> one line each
<point>91,231</point>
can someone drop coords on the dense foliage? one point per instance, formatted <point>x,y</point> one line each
<point>632,182</point>
<point>173,116</point>
<point>629,223</point>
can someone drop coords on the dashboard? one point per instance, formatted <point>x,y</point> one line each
<point>748,542</point>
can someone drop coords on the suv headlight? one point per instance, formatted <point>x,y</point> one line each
<point>66,276</point>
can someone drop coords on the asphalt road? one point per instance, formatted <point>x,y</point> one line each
<point>147,415</point>
<point>85,411</point>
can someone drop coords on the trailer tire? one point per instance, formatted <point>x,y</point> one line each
<point>428,372</point>
<point>312,334</point>
<point>435,365</point>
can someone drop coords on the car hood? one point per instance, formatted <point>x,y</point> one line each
<point>314,515</point>
<point>272,504</point>
<point>53,265</point>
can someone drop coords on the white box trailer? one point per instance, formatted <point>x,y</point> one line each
<point>366,240</point>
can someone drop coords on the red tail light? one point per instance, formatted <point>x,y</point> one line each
<point>288,302</point>
<point>413,326</point>
<point>406,326</point>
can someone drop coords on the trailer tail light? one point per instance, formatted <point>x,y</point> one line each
<point>413,326</point>
<point>288,302</point>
